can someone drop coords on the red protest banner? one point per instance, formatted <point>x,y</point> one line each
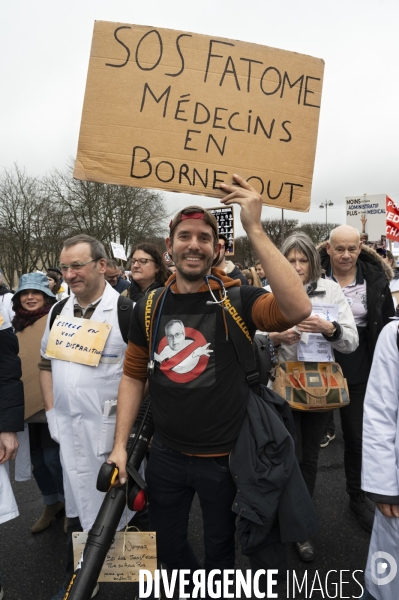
<point>392,220</point>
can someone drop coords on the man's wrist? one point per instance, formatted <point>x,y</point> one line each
<point>119,445</point>
<point>255,229</point>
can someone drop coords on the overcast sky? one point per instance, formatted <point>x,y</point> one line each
<point>45,47</point>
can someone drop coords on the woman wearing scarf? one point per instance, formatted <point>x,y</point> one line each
<point>300,251</point>
<point>32,302</point>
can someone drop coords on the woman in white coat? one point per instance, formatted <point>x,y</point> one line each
<point>380,466</point>
<point>341,334</point>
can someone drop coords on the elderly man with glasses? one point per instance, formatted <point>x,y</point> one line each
<point>75,393</point>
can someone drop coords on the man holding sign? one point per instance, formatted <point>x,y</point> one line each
<point>81,368</point>
<point>199,406</point>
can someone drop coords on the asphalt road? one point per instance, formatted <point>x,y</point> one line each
<point>33,565</point>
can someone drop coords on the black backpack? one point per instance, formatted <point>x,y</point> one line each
<point>125,309</point>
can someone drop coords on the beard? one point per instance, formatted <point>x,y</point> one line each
<point>192,274</point>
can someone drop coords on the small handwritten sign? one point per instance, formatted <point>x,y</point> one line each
<point>129,552</point>
<point>118,251</point>
<point>77,340</point>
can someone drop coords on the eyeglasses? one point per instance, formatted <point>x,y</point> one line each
<point>76,266</point>
<point>175,336</point>
<point>142,261</point>
<point>109,277</point>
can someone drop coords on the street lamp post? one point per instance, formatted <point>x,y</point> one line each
<point>325,205</point>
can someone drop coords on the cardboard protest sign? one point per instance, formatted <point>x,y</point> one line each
<point>118,251</point>
<point>392,220</point>
<point>77,340</point>
<point>29,352</point>
<point>129,552</point>
<point>182,112</point>
<point>367,214</point>
<point>225,218</point>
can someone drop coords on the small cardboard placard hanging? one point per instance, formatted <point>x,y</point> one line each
<point>129,552</point>
<point>77,340</point>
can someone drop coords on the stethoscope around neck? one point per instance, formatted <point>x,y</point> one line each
<point>215,301</point>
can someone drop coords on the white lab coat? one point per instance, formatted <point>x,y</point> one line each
<point>6,311</point>
<point>349,340</point>
<point>8,506</point>
<point>79,395</point>
<point>380,464</point>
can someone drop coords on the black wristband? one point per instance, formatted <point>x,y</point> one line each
<point>337,333</point>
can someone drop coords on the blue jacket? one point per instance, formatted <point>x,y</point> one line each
<point>121,285</point>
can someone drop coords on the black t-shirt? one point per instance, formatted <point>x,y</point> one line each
<point>198,389</point>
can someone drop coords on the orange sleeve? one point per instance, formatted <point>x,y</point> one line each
<point>136,359</point>
<point>267,316</point>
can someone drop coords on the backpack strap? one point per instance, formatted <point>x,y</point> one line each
<point>146,308</point>
<point>234,308</point>
<point>125,309</point>
<point>244,349</point>
<point>57,310</point>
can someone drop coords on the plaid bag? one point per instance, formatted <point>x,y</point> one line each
<point>311,385</point>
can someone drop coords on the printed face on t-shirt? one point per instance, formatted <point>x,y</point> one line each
<point>184,351</point>
<point>175,335</point>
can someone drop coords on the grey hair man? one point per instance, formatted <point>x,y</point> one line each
<point>74,392</point>
<point>364,279</point>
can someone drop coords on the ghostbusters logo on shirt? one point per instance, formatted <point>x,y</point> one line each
<point>183,353</point>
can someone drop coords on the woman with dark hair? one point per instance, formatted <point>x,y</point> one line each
<point>53,281</point>
<point>342,334</point>
<point>148,270</point>
<point>32,302</point>
<point>54,277</point>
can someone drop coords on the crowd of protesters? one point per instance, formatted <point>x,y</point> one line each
<point>277,296</point>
